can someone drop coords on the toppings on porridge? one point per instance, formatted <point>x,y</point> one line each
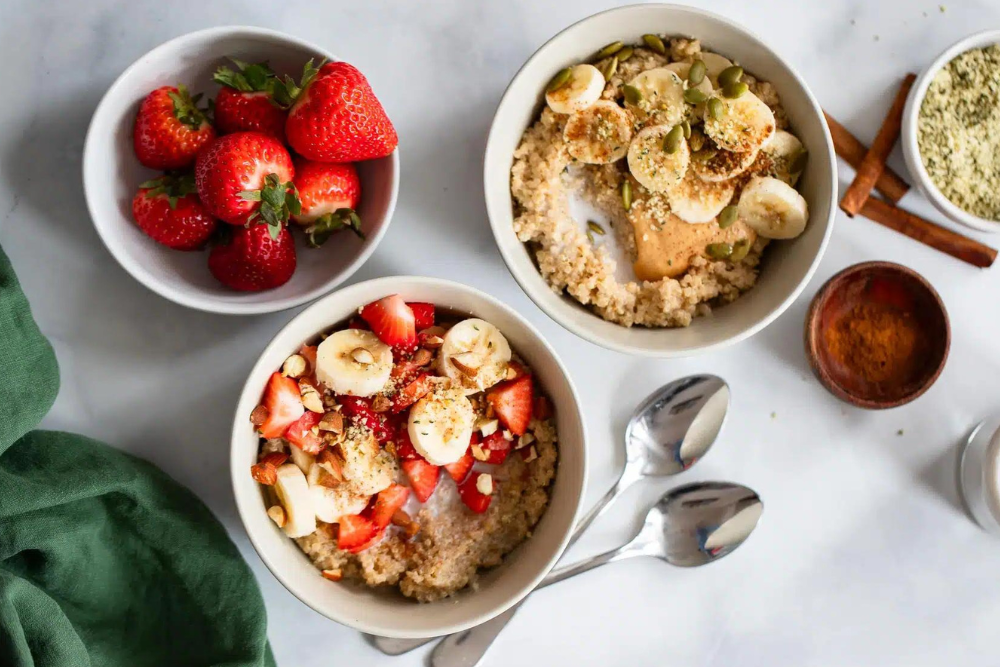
<point>687,156</point>
<point>355,431</point>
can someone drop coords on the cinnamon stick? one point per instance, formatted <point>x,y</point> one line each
<point>873,164</point>
<point>928,233</point>
<point>850,148</point>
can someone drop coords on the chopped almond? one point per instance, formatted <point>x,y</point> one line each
<point>484,484</point>
<point>259,415</point>
<point>276,459</point>
<point>479,453</point>
<point>362,356</point>
<point>524,441</point>
<point>333,575</point>
<point>381,403</point>
<point>310,396</point>
<point>333,422</point>
<point>332,463</point>
<point>531,455</point>
<point>277,514</point>
<point>511,373</point>
<point>264,473</point>
<point>489,427</point>
<point>295,366</point>
<point>402,519</point>
<point>433,342</point>
<point>467,362</point>
<point>422,357</point>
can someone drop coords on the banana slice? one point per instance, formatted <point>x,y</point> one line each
<point>773,208</point>
<point>784,149</point>
<point>474,355</point>
<point>744,124</point>
<point>367,467</point>
<point>354,362</point>
<point>696,201</point>
<point>651,165</point>
<point>585,85</point>
<point>294,495</point>
<point>599,134</point>
<point>660,94</point>
<point>441,425</point>
<point>302,459</point>
<point>681,69</point>
<point>331,504</point>
<point>723,166</point>
<point>714,65</point>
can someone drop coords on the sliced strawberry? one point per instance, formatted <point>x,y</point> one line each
<point>300,433</point>
<point>413,392</point>
<point>392,321</point>
<point>355,532</point>
<point>496,447</point>
<point>543,407</point>
<point>358,323</point>
<point>284,405</point>
<point>387,502</point>
<point>405,451</point>
<point>360,411</point>
<point>308,352</point>
<point>470,494</point>
<point>423,477</point>
<point>424,314</point>
<point>459,470</point>
<point>513,402</point>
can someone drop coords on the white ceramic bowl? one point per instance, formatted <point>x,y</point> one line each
<point>908,134</point>
<point>787,266</point>
<point>384,612</point>
<point>112,174</point>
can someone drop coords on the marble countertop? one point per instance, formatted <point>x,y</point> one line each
<point>864,555</point>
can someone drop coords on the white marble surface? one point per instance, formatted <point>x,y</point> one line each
<point>864,556</point>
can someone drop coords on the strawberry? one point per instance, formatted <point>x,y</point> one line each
<point>423,477</point>
<point>423,313</point>
<point>470,494</point>
<point>300,433</point>
<point>392,321</point>
<point>355,533</point>
<point>246,101</point>
<point>386,503</point>
<point>459,470</point>
<point>422,385</point>
<point>358,323</point>
<point>170,213</point>
<point>405,451</point>
<point>543,407</point>
<point>337,118</point>
<point>360,411</point>
<point>284,405</point>
<point>170,129</point>
<point>247,175</point>
<point>308,352</point>
<point>253,259</point>
<point>513,402</point>
<point>329,193</point>
<point>496,448</point>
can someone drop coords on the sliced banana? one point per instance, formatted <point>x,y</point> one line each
<point>682,69</point>
<point>661,95</point>
<point>294,495</point>
<point>441,425</point>
<point>651,164</point>
<point>773,208</point>
<point>696,201</point>
<point>744,124</point>
<point>599,134</point>
<point>302,459</point>
<point>353,362</point>
<point>367,467</point>
<point>714,65</point>
<point>784,149</point>
<point>331,504</point>
<point>474,355</point>
<point>723,166</point>
<point>583,89</point>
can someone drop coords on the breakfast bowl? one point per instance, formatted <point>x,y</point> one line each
<point>112,175</point>
<point>877,335</point>
<point>381,609</point>
<point>910,133</point>
<point>784,269</point>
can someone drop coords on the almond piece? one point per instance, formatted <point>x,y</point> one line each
<point>402,519</point>
<point>484,484</point>
<point>479,453</point>
<point>277,459</point>
<point>265,473</point>
<point>433,342</point>
<point>332,463</point>
<point>508,436</point>
<point>332,575</point>
<point>362,356</point>
<point>422,357</point>
<point>524,441</point>
<point>259,415</point>
<point>467,362</point>
<point>332,421</point>
<point>531,455</point>
<point>511,373</point>
<point>381,403</point>
<point>277,514</point>
<point>294,366</point>
<point>489,427</point>
<point>310,397</point>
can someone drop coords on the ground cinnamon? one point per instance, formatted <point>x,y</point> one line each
<point>878,342</point>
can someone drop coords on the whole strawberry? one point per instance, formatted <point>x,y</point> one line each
<point>170,129</point>
<point>169,211</point>
<point>253,259</point>
<point>247,175</point>
<point>329,194</point>
<point>246,101</point>
<point>338,119</point>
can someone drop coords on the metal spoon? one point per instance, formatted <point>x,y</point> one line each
<point>689,526</point>
<point>670,430</point>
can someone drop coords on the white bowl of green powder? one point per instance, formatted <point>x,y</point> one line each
<point>951,131</point>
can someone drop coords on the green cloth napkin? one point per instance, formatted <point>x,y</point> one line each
<point>104,560</point>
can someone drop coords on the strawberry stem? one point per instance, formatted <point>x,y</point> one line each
<point>174,186</point>
<point>285,92</point>
<point>186,108</point>
<point>278,202</point>
<point>248,78</point>
<point>323,228</point>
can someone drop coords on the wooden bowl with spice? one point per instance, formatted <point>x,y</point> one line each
<point>877,335</point>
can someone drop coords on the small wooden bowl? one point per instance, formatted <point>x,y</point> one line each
<point>877,282</point>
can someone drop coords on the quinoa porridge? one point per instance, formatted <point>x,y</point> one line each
<point>687,157</point>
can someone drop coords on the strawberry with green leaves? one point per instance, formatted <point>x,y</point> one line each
<point>170,129</point>
<point>329,194</point>
<point>168,210</point>
<point>253,259</point>
<point>245,102</point>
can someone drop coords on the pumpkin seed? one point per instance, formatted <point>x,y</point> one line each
<point>798,163</point>
<point>609,50</point>
<point>611,68</point>
<point>655,43</point>
<point>673,140</point>
<point>697,72</point>
<point>694,96</point>
<point>596,228</point>
<point>704,155</point>
<point>728,216</point>
<point>590,237</point>
<point>627,195</point>
<point>715,108</point>
<point>734,90</point>
<point>686,126</point>
<point>625,54</point>
<point>560,80</point>
<point>719,250</point>
<point>740,250</point>
<point>632,94</point>
<point>730,75</point>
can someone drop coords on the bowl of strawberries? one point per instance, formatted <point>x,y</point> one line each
<point>239,170</point>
